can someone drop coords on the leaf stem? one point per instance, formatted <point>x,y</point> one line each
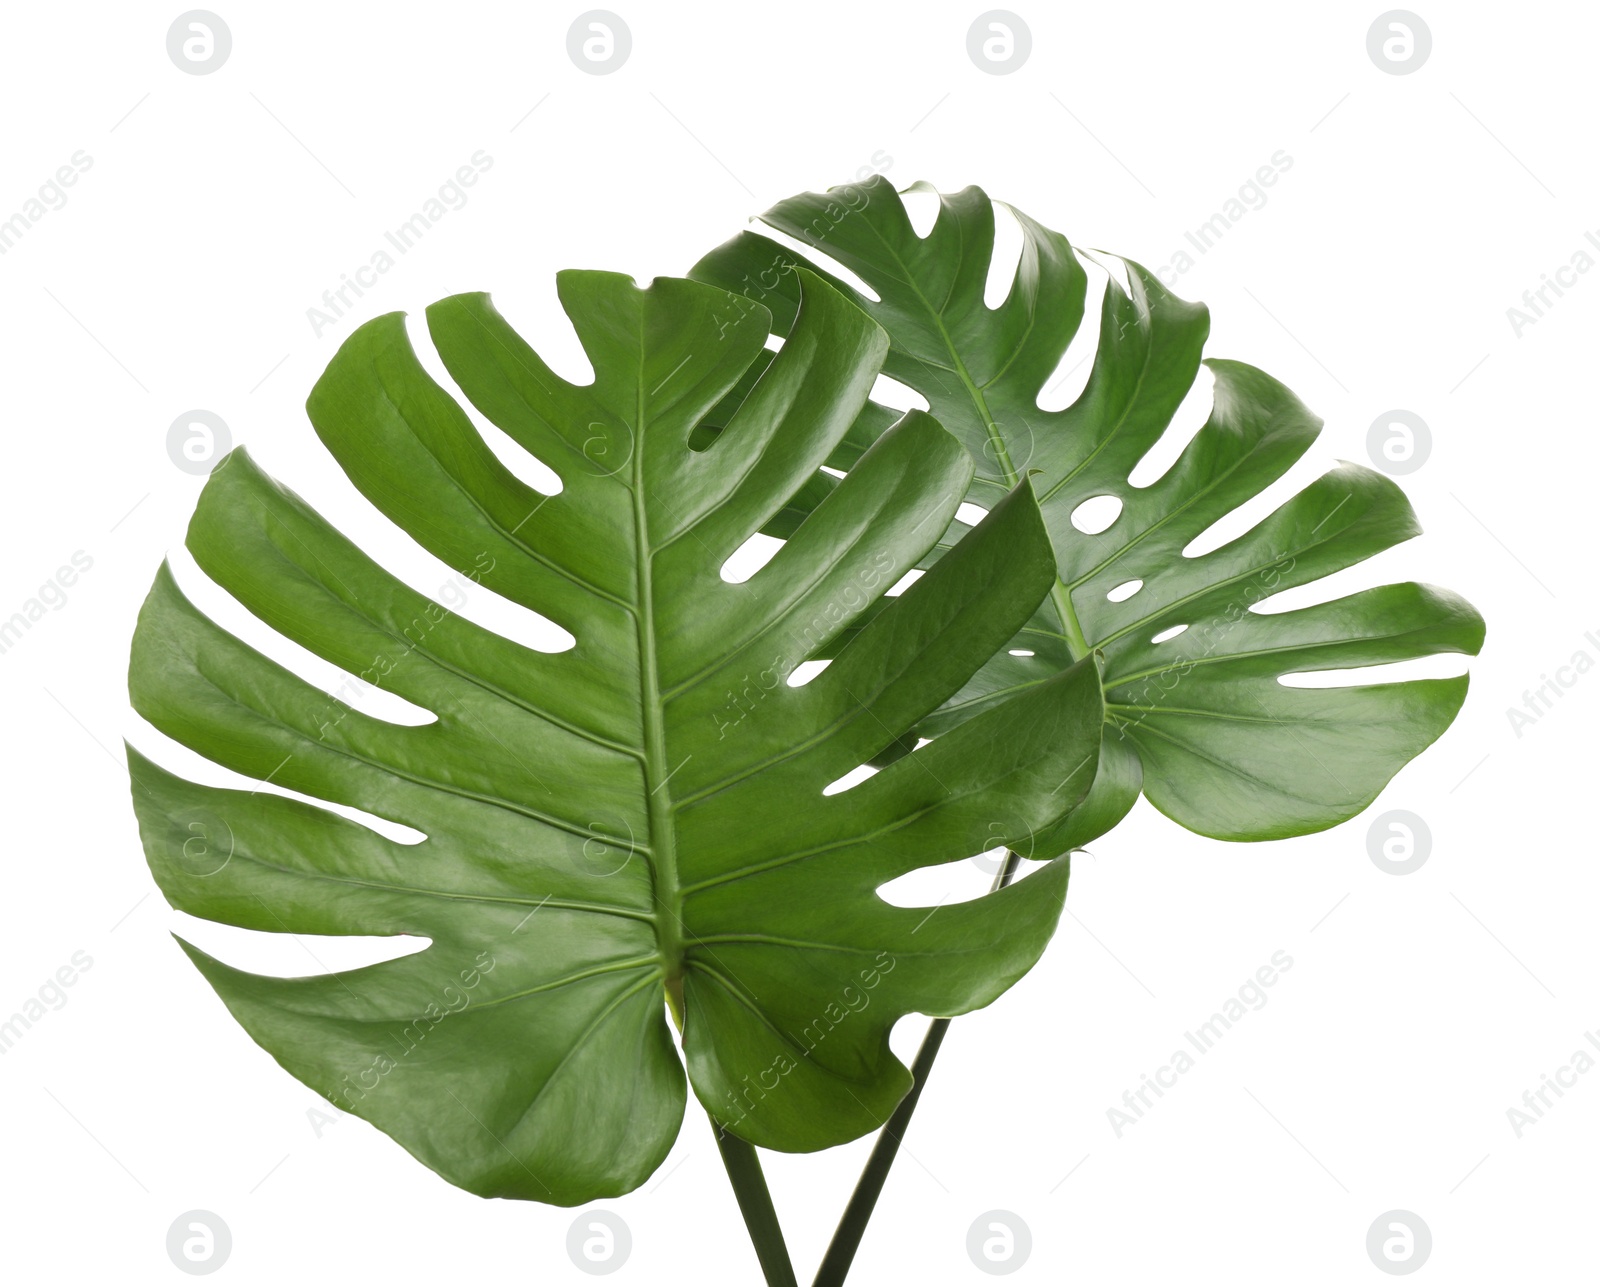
<point>853,1223</point>
<point>755,1205</point>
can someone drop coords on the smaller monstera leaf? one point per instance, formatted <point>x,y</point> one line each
<point>1198,718</point>
<point>642,818</point>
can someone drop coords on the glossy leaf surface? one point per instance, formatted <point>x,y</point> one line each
<point>641,818</point>
<point>1199,718</point>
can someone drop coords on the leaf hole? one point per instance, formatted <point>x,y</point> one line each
<point>948,884</point>
<point>1116,268</point>
<point>822,260</point>
<point>537,296</point>
<point>750,558</point>
<point>519,462</point>
<point>892,393</point>
<point>177,758</point>
<point>361,695</point>
<point>1395,563</point>
<point>1122,593</point>
<point>1186,422</point>
<point>805,672</point>
<point>1065,385</point>
<point>855,777</point>
<point>1444,665</point>
<point>279,954</point>
<point>922,209</point>
<point>1096,514</point>
<point>467,592</point>
<point>903,584</point>
<point>1171,632</point>
<point>1005,258</point>
<point>1247,515</point>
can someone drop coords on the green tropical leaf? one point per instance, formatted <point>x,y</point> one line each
<point>639,820</point>
<point>1192,672</point>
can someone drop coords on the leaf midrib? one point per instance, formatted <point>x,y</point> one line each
<point>1060,596</point>
<point>659,807</point>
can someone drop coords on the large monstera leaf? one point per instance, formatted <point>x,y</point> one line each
<point>638,821</point>
<point>1197,715</point>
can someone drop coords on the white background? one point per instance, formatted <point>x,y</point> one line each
<point>1417,210</point>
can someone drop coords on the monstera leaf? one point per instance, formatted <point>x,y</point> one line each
<point>638,822</point>
<point>1197,713</point>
